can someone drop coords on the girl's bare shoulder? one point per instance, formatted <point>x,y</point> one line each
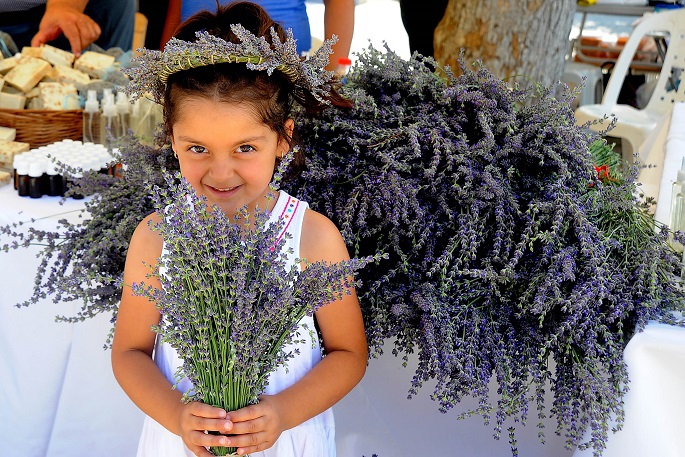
<point>321,239</point>
<point>146,241</point>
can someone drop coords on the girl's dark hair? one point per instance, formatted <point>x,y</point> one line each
<point>271,97</point>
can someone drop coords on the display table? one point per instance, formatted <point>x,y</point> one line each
<point>656,357</point>
<point>58,396</point>
<point>60,399</point>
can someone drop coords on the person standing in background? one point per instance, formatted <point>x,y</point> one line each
<point>420,19</point>
<point>338,20</point>
<point>69,24</point>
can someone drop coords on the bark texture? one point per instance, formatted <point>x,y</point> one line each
<point>511,37</point>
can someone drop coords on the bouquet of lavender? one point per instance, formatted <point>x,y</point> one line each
<point>229,301</point>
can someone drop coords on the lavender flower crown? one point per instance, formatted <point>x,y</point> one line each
<point>307,74</point>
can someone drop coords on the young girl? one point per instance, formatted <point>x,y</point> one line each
<point>229,125</point>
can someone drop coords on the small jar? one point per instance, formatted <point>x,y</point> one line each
<point>36,171</point>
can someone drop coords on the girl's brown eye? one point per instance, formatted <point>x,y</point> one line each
<point>197,149</point>
<point>245,148</point>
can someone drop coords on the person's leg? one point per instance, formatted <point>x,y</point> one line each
<point>420,19</point>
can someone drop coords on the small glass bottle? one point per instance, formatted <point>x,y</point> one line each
<point>124,113</point>
<point>91,119</point>
<point>23,179</point>
<point>17,162</point>
<point>36,179</point>
<point>677,213</point>
<point>343,68</point>
<point>109,125</point>
<point>55,181</point>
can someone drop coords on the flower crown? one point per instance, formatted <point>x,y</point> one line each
<point>307,74</point>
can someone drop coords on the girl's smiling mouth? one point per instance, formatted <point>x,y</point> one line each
<point>222,190</point>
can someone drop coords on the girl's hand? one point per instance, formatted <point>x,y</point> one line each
<point>255,427</point>
<point>197,417</point>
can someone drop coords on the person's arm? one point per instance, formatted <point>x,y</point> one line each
<point>173,20</point>
<point>66,17</point>
<point>338,20</point>
<point>132,347</point>
<point>257,427</point>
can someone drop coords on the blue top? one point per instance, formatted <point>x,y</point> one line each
<point>289,13</point>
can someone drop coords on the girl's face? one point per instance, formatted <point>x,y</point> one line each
<point>226,152</point>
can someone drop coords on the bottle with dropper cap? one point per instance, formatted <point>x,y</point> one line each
<point>91,119</point>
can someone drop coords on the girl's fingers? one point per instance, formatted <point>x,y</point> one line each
<point>202,439</point>
<point>245,414</point>
<point>199,409</point>
<point>221,426</point>
<point>249,443</point>
<point>249,427</point>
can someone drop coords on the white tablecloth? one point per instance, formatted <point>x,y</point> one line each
<point>655,404</point>
<point>58,394</point>
<point>59,398</point>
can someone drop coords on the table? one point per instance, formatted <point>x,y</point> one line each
<point>649,61</point>
<point>58,396</point>
<point>656,357</point>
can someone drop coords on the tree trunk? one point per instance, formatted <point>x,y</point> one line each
<point>511,37</point>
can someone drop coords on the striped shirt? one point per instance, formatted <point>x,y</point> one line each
<point>19,5</point>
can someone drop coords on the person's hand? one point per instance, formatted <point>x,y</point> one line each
<point>197,417</point>
<point>63,18</point>
<point>255,427</point>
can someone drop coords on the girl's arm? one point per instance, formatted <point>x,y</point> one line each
<point>132,347</point>
<point>258,426</point>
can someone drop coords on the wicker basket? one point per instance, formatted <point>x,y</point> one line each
<point>41,127</point>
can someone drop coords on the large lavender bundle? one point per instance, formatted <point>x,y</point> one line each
<point>230,302</point>
<point>509,259</point>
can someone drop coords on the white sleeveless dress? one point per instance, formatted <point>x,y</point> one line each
<point>314,437</point>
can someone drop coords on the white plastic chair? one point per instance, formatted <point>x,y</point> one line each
<point>634,125</point>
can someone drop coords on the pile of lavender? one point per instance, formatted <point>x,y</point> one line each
<point>509,259</point>
<point>230,302</point>
<point>85,261</point>
<point>517,252</point>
